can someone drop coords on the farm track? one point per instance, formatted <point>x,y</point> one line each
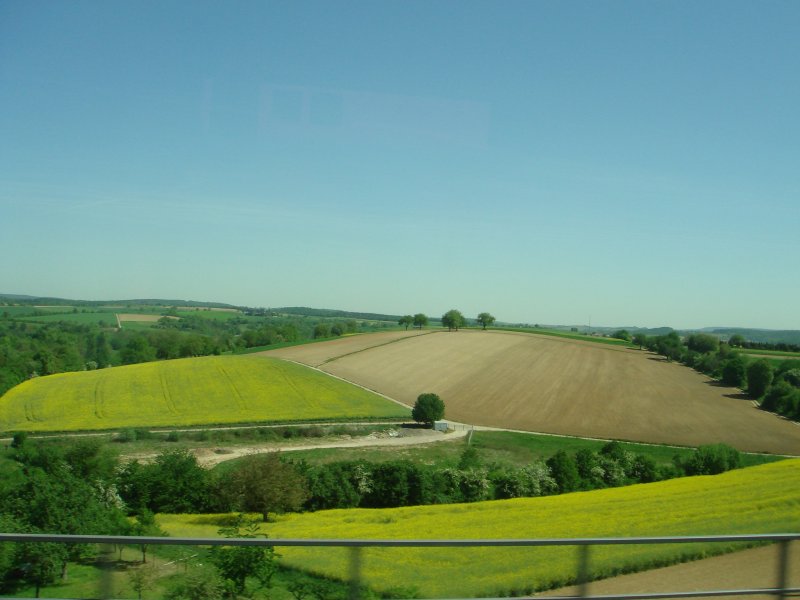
<point>210,457</point>
<point>560,386</point>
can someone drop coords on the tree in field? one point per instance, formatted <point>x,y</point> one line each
<point>453,319</point>
<point>321,330</point>
<point>712,460</point>
<point>736,341</point>
<point>485,319</point>
<point>759,376</point>
<point>702,343</point>
<point>420,320</point>
<point>640,340</point>
<point>406,320</point>
<point>565,472</point>
<point>427,409</point>
<point>264,483</point>
<point>237,563</point>
<point>670,345</point>
<point>622,334</point>
<point>734,372</point>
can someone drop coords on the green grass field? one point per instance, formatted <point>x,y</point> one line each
<point>565,334</point>
<point>761,499</point>
<point>216,315</point>
<point>193,391</point>
<point>754,353</point>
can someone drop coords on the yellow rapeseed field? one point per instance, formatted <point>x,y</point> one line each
<point>192,391</point>
<point>763,499</point>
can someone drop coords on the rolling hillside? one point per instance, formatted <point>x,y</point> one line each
<point>193,391</point>
<point>755,500</point>
<point>554,385</point>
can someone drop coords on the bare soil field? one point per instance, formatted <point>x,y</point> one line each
<point>139,317</point>
<point>554,385</point>
<point>319,353</point>
<point>756,568</point>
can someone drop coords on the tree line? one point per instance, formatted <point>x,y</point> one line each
<point>776,388</point>
<point>269,483</point>
<point>453,319</point>
<point>80,488</point>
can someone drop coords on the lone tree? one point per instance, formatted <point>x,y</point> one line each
<point>485,319</point>
<point>621,334</point>
<point>263,483</point>
<point>427,409</point>
<point>406,320</point>
<point>453,319</point>
<point>420,320</point>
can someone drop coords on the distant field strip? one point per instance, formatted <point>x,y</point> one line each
<point>763,499</point>
<point>193,391</point>
<point>557,385</point>
<point>140,317</point>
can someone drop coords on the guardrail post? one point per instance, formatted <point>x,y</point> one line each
<point>583,570</point>
<point>106,576</point>
<point>355,573</point>
<point>783,568</point>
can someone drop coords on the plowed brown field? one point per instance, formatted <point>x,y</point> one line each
<point>553,385</point>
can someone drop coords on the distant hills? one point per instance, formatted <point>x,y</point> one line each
<point>768,336</point>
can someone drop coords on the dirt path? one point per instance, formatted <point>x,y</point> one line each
<point>209,457</point>
<point>756,568</point>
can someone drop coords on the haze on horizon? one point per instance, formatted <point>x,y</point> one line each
<point>618,163</point>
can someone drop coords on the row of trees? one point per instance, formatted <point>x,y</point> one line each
<point>453,319</point>
<point>777,388</point>
<point>268,484</point>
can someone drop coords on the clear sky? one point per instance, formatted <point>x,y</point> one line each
<point>619,163</point>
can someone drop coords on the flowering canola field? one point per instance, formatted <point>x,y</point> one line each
<point>192,391</point>
<point>763,499</point>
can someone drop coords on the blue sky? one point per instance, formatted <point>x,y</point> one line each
<point>619,163</point>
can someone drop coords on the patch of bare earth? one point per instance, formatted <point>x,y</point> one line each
<point>755,569</point>
<point>209,457</point>
<point>140,317</point>
<point>556,385</point>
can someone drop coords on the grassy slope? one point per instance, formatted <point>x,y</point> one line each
<point>565,334</point>
<point>760,499</point>
<point>214,389</point>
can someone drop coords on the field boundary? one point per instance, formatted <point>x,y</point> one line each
<point>334,358</point>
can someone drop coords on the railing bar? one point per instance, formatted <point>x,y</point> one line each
<point>216,541</point>
<point>783,567</point>
<point>656,596</point>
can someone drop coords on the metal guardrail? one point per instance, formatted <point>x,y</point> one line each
<point>781,589</point>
